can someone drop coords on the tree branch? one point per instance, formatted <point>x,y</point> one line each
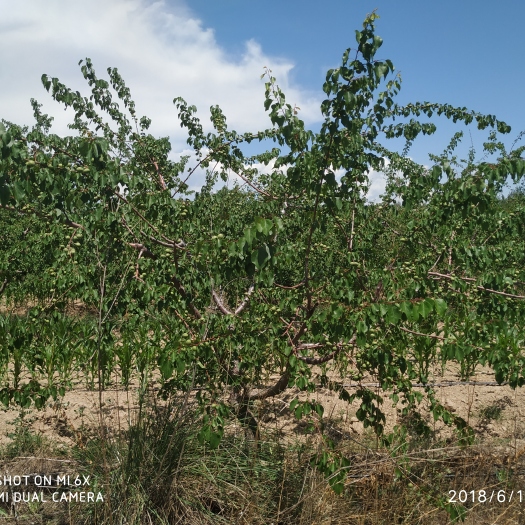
<point>421,334</point>
<point>161,178</point>
<point>440,338</point>
<point>289,287</point>
<point>219,303</point>
<point>258,190</point>
<point>180,288</point>
<point>351,243</point>
<point>156,241</point>
<point>143,251</point>
<point>245,301</point>
<point>137,212</point>
<point>239,309</point>
<point>280,386</point>
<point>471,280</point>
<point>67,222</point>
<point>321,360</point>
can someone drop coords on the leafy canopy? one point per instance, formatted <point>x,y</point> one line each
<point>289,279</point>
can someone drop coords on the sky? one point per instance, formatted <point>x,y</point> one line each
<point>465,53</point>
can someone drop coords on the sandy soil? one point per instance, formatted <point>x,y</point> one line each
<point>492,410</point>
<point>495,412</point>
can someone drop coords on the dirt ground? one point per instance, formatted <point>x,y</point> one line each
<point>493,411</point>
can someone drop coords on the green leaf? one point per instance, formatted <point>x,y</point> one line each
<point>249,236</point>
<point>263,225</point>
<point>348,98</point>
<point>361,327</point>
<point>214,439</point>
<point>411,313</point>
<point>441,306</point>
<point>393,314</point>
<point>381,70</point>
<point>261,256</point>
<point>5,195</point>
<point>18,191</point>
<point>425,307</point>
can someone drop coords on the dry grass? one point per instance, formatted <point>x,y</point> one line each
<point>157,472</point>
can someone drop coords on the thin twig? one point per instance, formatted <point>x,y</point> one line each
<point>482,288</point>
<point>294,287</point>
<point>137,212</point>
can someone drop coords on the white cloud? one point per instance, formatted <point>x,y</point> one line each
<point>161,51</point>
<point>377,182</point>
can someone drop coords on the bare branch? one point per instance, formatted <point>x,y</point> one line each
<point>245,301</point>
<point>181,245</point>
<point>342,230</point>
<point>351,243</point>
<point>318,360</point>
<point>421,334</point>
<point>321,360</point>
<point>290,287</point>
<point>72,224</point>
<point>433,384</point>
<point>124,275</point>
<point>156,241</point>
<point>220,304</point>
<point>125,224</point>
<point>4,284</point>
<point>497,292</point>
<point>471,280</point>
<point>143,251</point>
<point>210,154</point>
<point>161,178</point>
<point>280,386</point>
<point>137,212</point>
<point>450,277</point>
<point>440,338</point>
<point>450,249</point>
<point>258,190</point>
<point>309,346</point>
<point>239,309</point>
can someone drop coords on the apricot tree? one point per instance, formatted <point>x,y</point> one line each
<point>290,279</point>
